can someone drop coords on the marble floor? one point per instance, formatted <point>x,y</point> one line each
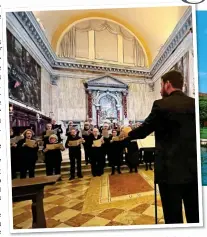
<point>122,199</point>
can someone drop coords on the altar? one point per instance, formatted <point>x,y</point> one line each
<point>107,98</point>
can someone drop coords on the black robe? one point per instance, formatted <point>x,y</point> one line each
<point>27,156</point>
<point>95,151</point>
<point>52,155</point>
<point>132,155</point>
<point>97,156</point>
<point>115,152</point>
<point>73,150</point>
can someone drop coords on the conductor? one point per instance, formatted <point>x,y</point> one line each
<point>172,118</point>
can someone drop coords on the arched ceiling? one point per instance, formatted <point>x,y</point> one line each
<point>152,25</point>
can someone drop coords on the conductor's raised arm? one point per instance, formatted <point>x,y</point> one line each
<point>148,126</point>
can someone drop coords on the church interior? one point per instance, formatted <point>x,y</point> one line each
<point>98,67</point>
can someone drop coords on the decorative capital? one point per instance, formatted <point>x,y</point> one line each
<point>98,107</point>
<point>53,80</point>
<point>151,87</point>
<point>89,92</point>
<point>125,93</point>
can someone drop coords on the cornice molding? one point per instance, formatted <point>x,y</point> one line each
<point>181,30</point>
<point>29,23</point>
<point>32,27</point>
<point>106,81</point>
<point>53,79</point>
<point>183,48</point>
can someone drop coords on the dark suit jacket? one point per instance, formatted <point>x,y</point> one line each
<point>173,121</point>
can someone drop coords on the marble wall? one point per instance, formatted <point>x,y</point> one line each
<point>69,99</point>
<point>140,100</point>
<point>157,87</point>
<point>46,89</point>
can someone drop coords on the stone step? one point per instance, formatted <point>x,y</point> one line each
<point>85,171</point>
<point>65,169</point>
<point>65,165</point>
<point>41,164</point>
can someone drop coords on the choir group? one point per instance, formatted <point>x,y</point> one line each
<point>100,144</point>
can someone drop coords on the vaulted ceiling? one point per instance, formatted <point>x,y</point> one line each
<point>152,25</point>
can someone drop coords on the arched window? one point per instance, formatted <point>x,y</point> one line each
<point>102,41</point>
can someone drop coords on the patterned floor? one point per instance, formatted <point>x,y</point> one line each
<point>87,202</point>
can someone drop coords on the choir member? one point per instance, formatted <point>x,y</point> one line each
<point>106,132</point>
<point>132,154</point>
<point>97,153</point>
<point>115,152</point>
<point>53,157</point>
<point>45,137</point>
<point>58,128</point>
<point>70,127</point>
<point>148,157</point>
<point>85,134</point>
<point>14,155</point>
<point>132,151</point>
<point>28,149</point>
<point>91,126</point>
<point>74,153</point>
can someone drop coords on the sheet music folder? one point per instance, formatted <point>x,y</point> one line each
<point>148,142</point>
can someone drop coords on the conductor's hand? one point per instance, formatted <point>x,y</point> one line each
<point>45,150</point>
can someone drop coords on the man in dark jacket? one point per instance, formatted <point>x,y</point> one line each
<point>58,128</point>
<point>172,118</point>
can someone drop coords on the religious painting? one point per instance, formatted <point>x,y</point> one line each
<point>24,74</point>
<point>107,107</point>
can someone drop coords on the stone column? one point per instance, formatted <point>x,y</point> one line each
<point>124,103</point>
<point>118,113</point>
<point>97,114</point>
<point>90,104</point>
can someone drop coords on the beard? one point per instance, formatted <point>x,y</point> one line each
<point>164,93</point>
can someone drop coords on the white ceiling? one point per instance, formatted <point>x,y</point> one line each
<point>154,24</point>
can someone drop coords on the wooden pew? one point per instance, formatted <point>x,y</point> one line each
<point>33,189</point>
